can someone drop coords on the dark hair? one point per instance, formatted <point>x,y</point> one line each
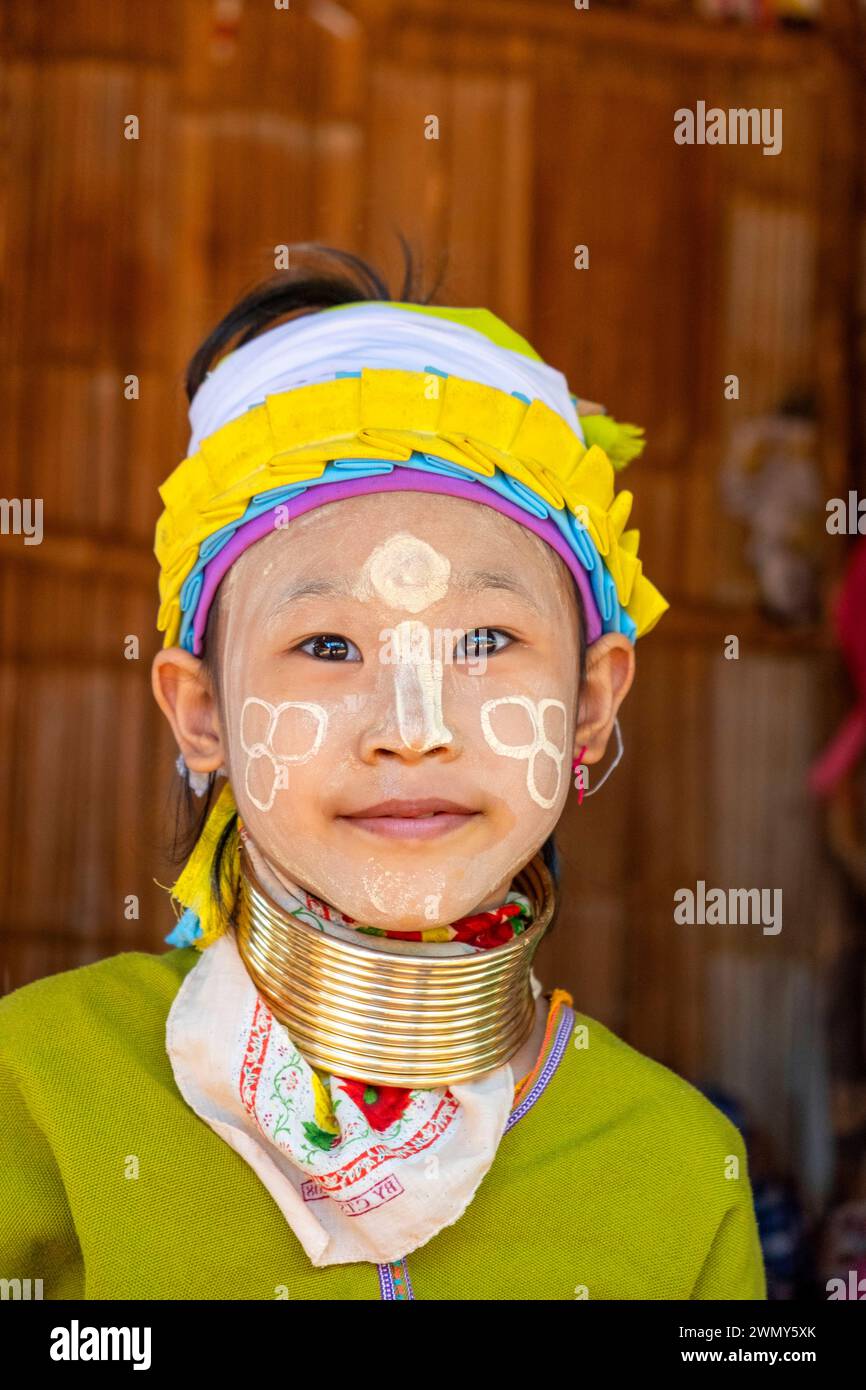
<point>321,277</point>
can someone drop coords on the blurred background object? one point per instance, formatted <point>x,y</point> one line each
<point>771,480</point>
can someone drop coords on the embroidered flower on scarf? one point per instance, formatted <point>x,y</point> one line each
<point>382,1105</point>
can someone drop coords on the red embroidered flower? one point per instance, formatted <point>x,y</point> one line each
<point>382,1105</point>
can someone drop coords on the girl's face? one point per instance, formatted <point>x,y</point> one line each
<point>399,649</point>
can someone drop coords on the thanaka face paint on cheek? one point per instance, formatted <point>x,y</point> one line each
<point>529,752</point>
<point>270,748</point>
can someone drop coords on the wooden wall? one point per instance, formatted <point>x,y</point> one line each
<point>260,127</point>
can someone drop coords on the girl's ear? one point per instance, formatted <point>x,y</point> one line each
<point>609,673</point>
<point>184,692</point>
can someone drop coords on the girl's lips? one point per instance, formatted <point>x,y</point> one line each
<point>412,827</point>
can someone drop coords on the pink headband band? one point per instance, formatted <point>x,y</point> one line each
<point>401,480</point>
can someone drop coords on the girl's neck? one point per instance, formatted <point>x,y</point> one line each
<point>412,1012</point>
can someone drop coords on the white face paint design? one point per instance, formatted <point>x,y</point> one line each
<point>259,739</point>
<point>418,688</point>
<point>405,572</point>
<point>529,751</point>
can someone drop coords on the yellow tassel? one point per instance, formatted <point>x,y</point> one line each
<point>193,887</point>
<point>325,1117</point>
<point>622,443</point>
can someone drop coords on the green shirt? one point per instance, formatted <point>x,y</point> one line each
<point>616,1179</point>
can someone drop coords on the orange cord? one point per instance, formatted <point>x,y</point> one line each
<point>557,998</point>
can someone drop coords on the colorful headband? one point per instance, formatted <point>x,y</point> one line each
<point>375,397</point>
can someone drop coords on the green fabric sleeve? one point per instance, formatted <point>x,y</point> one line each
<point>734,1267</point>
<point>37,1232</point>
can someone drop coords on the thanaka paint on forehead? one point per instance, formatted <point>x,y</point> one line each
<point>405,572</point>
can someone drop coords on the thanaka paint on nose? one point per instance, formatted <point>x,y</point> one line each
<point>407,573</point>
<point>418,687</point>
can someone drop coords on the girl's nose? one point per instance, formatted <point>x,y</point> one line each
<point>409,705</point>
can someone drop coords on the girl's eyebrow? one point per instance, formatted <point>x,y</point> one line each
<point>471,581</point>
<point>303,588</point>
<point>475,580</point>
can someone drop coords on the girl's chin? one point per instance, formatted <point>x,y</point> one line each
<point>413,920</point>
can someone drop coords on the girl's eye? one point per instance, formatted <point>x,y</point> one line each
<point>328,646</point>
<point>477,643</point>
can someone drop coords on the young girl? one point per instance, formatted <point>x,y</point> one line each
<point>400,607</point>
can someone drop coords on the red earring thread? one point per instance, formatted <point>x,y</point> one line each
<point>578,781</point>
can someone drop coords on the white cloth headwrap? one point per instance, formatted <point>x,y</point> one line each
<point>316,346</point>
